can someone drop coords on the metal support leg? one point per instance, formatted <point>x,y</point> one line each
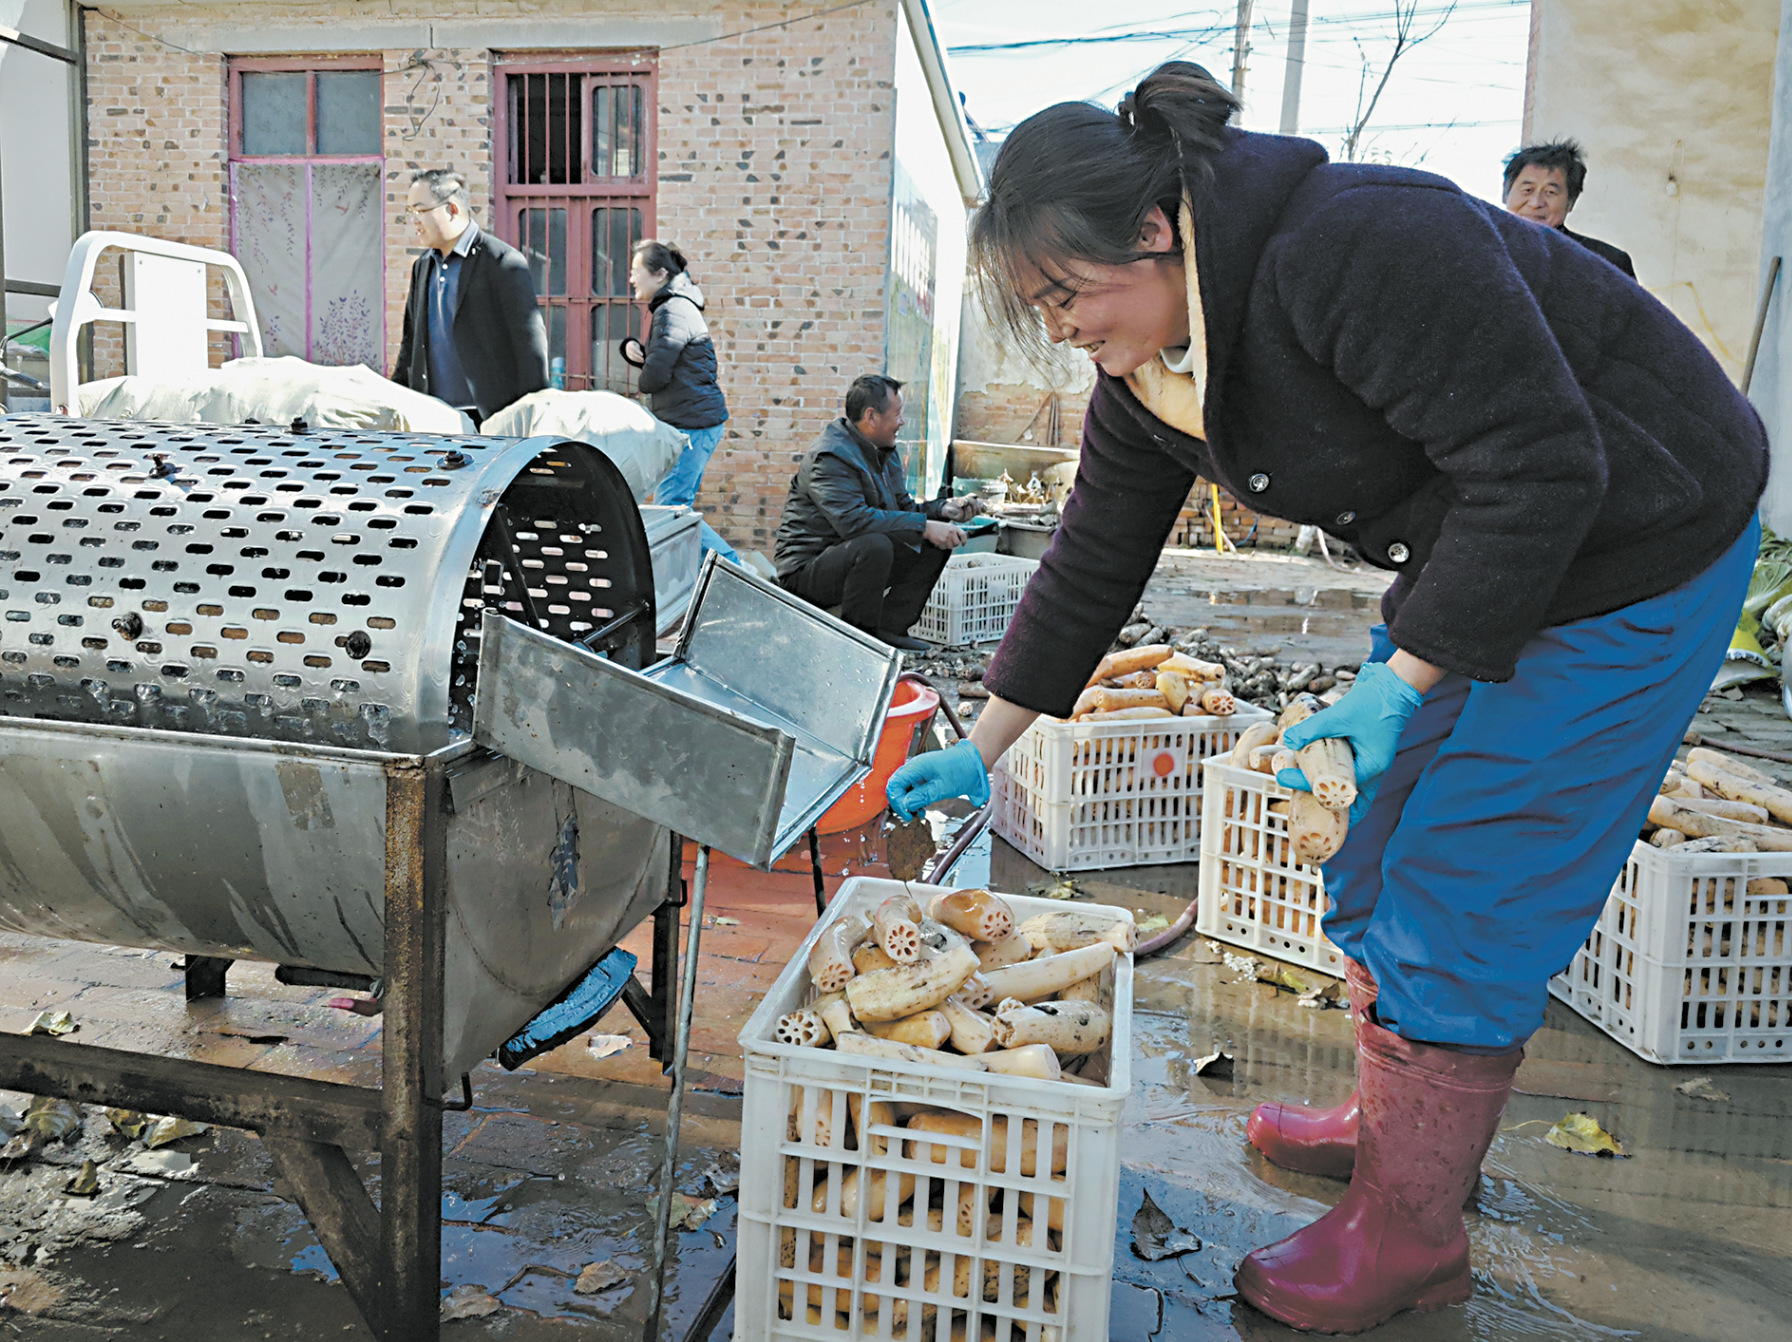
<point>675,1104</point>
<point>655,1011</point>
<point>205,976</point>
<point>821,889</point>
<point>412,1084</point>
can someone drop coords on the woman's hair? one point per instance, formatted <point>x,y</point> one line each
<point>1075,183</point>
<point>656,255</point>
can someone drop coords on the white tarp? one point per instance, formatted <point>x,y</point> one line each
<point>275,391</point>
<point>278,391</point>
<point>643,448</point>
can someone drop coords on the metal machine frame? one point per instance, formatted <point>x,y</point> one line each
<point>389,1256</point>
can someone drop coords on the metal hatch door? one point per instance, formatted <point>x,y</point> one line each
<point>767,713</point>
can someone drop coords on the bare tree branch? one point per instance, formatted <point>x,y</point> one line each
<point>1406,14</point>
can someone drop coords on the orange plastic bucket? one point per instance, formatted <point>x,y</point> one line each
<point>910,707</point>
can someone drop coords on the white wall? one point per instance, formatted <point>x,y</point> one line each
<point>1771,390</point>
<point>1672,101</point>
<point>35,142</point>
<point>921,149</point>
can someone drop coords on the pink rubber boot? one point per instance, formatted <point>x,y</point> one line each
<point>1316,1141</point>
<point>1396,1240</point>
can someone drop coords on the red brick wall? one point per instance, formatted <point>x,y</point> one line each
<point>1194,527</point>
<point>774,179</point>
<point>155,154</point>
<point>1005,412</point>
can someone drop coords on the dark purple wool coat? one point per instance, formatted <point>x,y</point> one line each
<point>1468,398</point>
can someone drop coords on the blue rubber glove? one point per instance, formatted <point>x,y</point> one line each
<point>935,776</point>
<point>1371,717</point>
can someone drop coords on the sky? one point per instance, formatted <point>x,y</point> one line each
<point>1453,104</point>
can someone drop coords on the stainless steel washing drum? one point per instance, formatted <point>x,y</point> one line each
<point>318,587</point>
<point>218,644</point>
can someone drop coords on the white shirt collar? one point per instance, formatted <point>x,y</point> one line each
<point>1179,359</point>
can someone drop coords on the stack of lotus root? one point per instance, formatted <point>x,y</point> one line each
<point>1318,821</point>
<point>1154,681</point>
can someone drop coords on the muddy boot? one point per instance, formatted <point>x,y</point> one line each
<point>1315,1141</point>
<point>1396,1240</point>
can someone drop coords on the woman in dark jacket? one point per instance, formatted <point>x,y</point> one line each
<point>678,372</point>
<point>1564,482</point>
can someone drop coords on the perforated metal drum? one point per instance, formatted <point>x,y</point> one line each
<point>316,587</point>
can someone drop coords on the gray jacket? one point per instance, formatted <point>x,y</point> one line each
<point>844,488</point>
<point>679,374</point>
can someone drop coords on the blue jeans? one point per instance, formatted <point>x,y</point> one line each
<point>1493,842</point>
<point>679,488</point>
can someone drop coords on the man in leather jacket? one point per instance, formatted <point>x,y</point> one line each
<point>853,535</point>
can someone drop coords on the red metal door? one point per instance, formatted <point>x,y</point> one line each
<point>576,181</point>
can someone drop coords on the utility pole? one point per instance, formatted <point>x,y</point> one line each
<point>1297,61</point>
<point>1241,48</point>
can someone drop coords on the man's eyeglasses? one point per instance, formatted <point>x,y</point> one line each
<point>421,210</point>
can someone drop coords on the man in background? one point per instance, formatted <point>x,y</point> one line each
<point>852,534</point>
<point>473,334</point>
<point>1542,183</point>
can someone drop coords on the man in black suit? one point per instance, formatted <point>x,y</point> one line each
<point>473,334</point>
<point>1542,183</point>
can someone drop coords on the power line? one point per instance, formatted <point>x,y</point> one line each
<point>1160,35</point>
<point>1103,37</point>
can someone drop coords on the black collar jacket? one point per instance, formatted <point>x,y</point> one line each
<point>1522,433</point>
<point>498,330</point>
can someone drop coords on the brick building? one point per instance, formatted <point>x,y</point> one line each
<point>810,160</point>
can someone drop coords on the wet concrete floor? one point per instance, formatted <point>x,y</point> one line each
<point>1300,609</point>
<point>1690,1237</point>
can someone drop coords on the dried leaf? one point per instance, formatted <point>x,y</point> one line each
<point>909,848</point>
<point>52,1119</point>
<point>688,1212</point>
<point>1155,1235</point>
<point>723,1177</point>
<point>167,1130</point>
<point>128,1122</point>
<point>1298,981</point>
<point>468,1301</point>
<point>1217,1064</point>
<point>25,1290</point>
<point>161,1165</point>
<point>1580,1134</point>
<point>53,1023</point>
<point>1155,923</point>
<point>1328,994</point>
<point>1700,1088</point>
<point>727,922</point>
<point>1059,887</point>
<point>21,1146</point>
<point>86,1183</point>
<point>599,1277</point>
<point>603,1045</point>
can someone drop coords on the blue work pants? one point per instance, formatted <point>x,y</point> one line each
<point>679,488</point>
<point>1510,809</point>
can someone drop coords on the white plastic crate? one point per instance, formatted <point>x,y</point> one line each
<point>974,599</point>
<point>1074,796</point>
<point>1684,965</point>
<point>1254,893</point>
<point>796,1126</point>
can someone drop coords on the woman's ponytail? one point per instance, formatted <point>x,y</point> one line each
<point>1186,109</point>
<point>661,256</point>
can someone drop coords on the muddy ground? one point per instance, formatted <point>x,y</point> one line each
<point>1688,1237</point>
